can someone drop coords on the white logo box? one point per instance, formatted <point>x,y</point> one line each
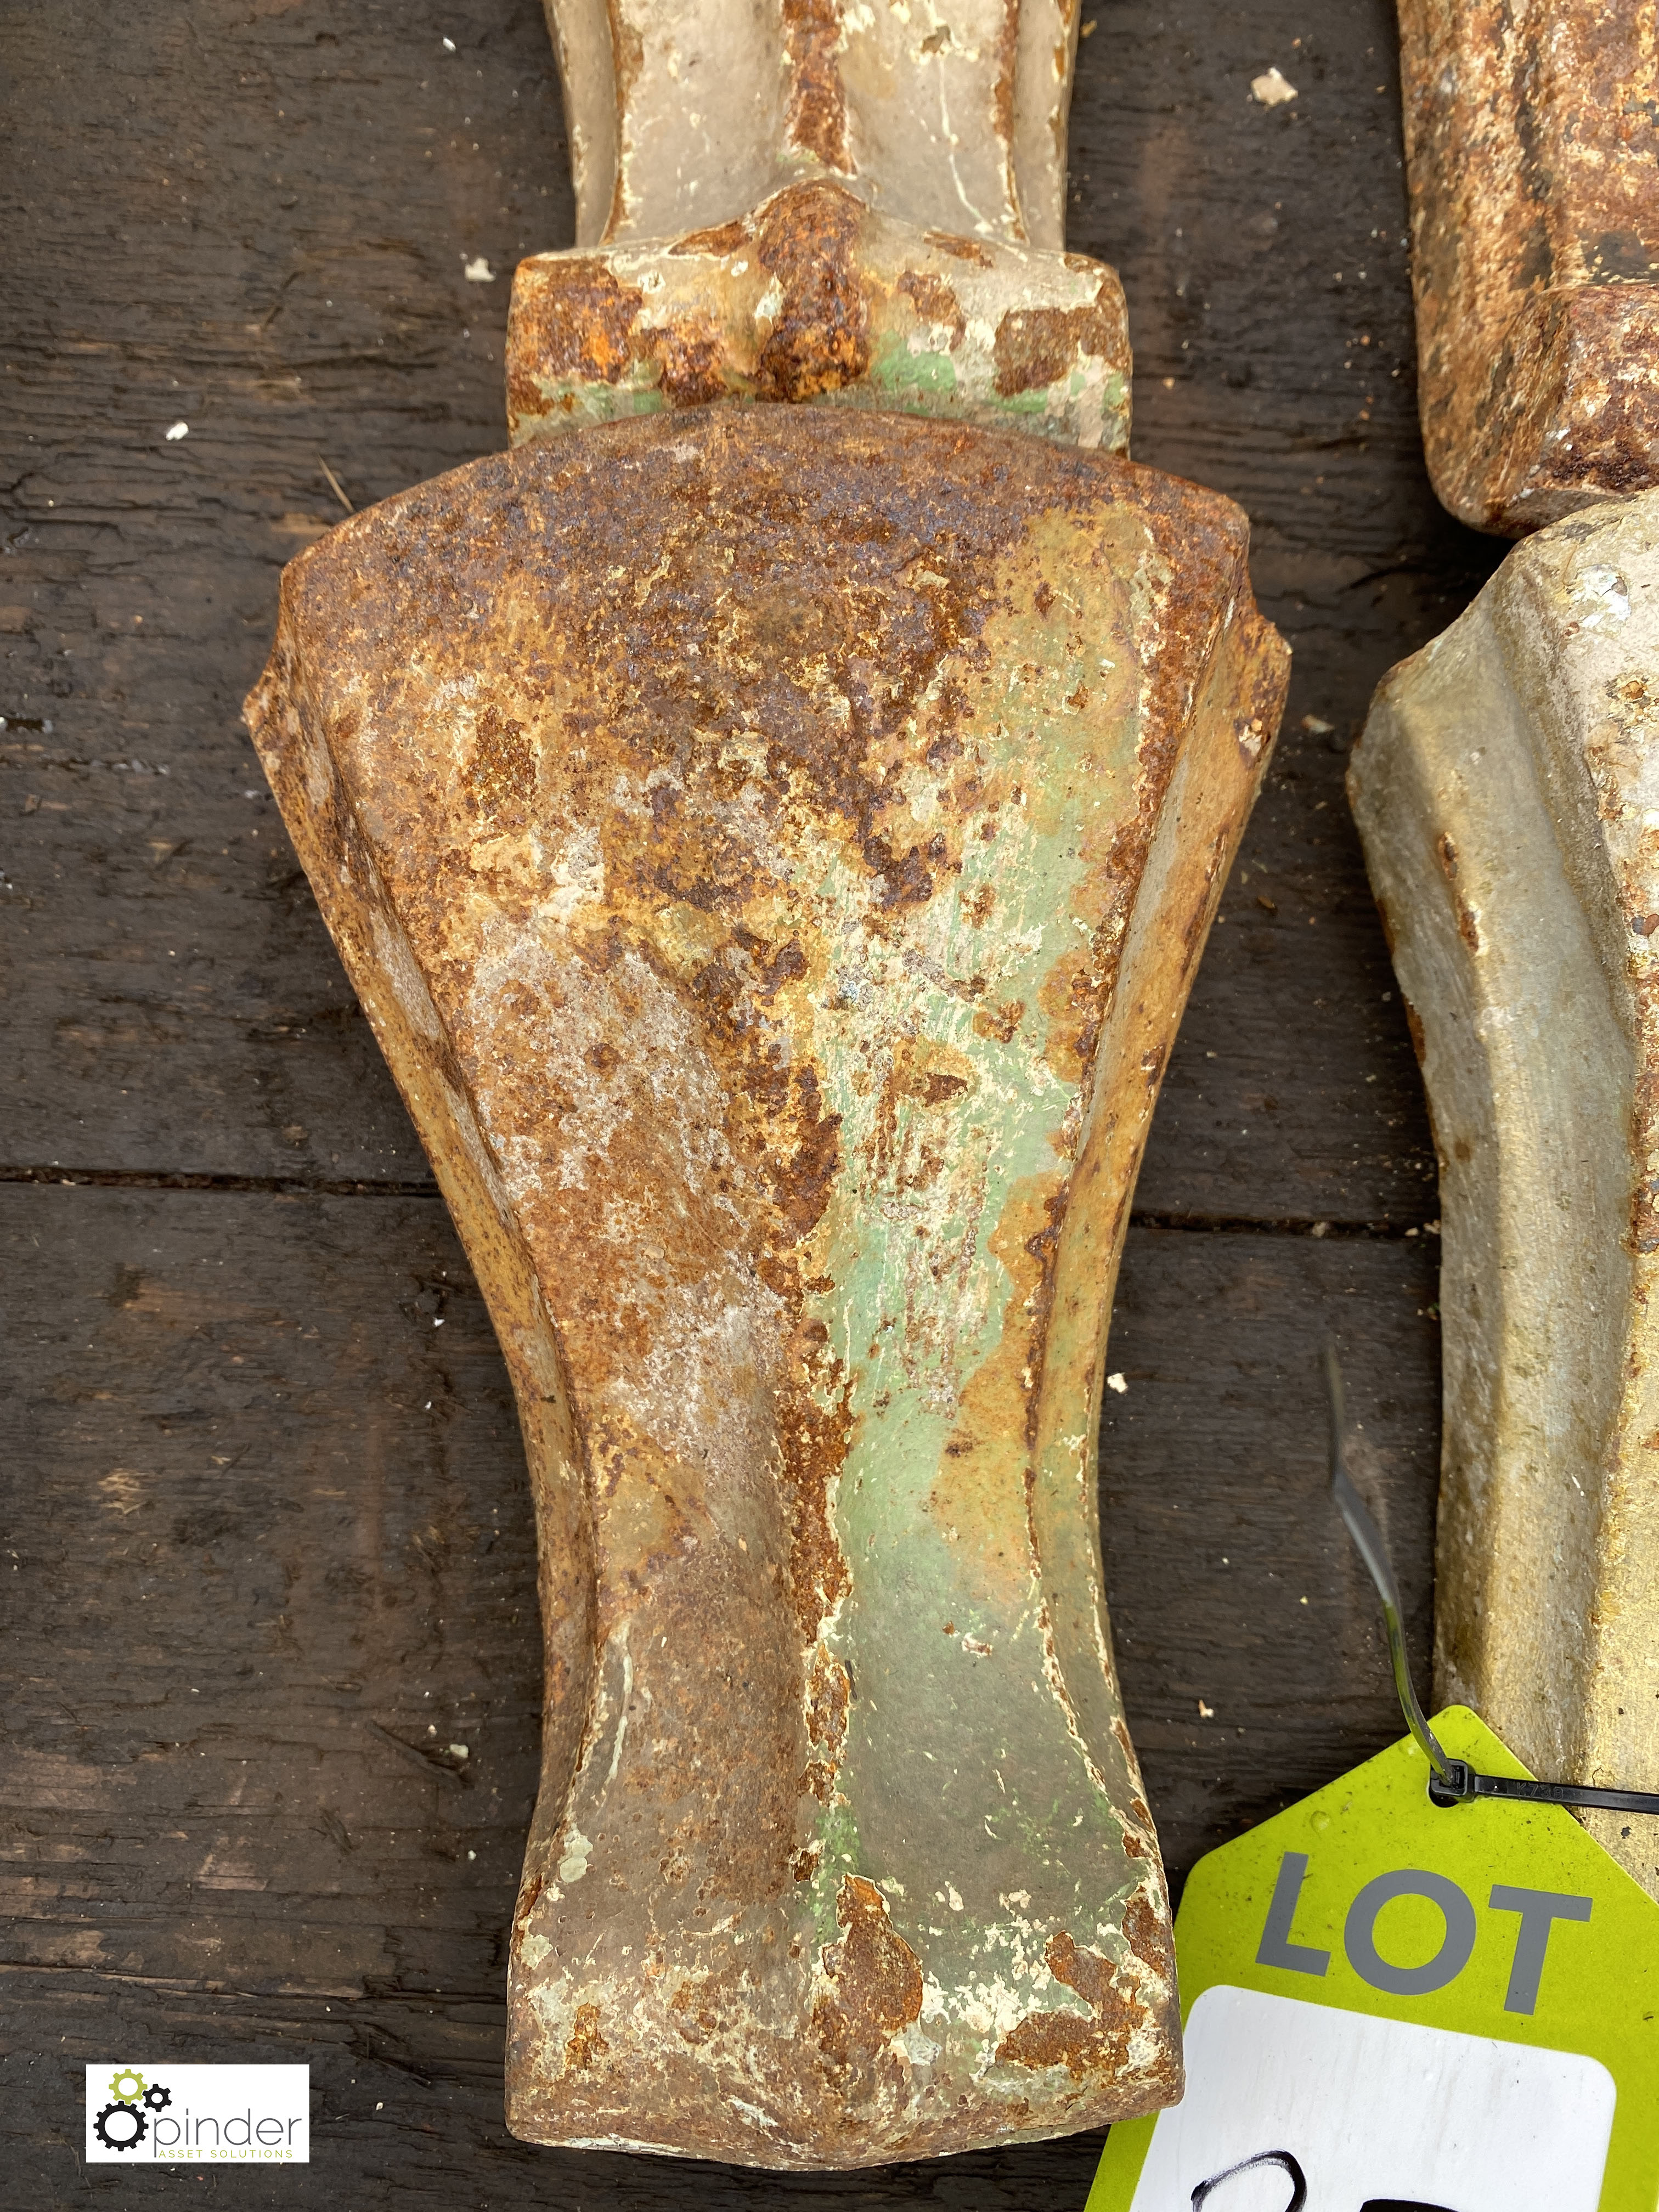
<point>197,2115</point>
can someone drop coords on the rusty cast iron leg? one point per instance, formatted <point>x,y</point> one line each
<point>774,843</point>
<point>1507,789</point>
<point>1532,136</point>
<point>773,846</point>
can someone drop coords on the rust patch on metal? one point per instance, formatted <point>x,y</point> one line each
<point>579,324</point>
<point>820,338</point>
<point>933,299</point>
<point>875,1981</point>
<point>1035,345</point>
<point>1002,92</point>
<point>816,120</point>
<point>959,249</point>
<point>1082,2046</point>
<point>628,64</point>
<point>502,769</point>
<point>829,1692</point>
<point>1468,928</point>
<point>812,1443</point>
<point>1002,1021</point>
<point>1147,1934</point>
<point>724,238</point>
<point>693,358</point>
<point>587,2043</point>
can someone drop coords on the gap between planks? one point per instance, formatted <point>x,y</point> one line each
<point>1206,1224</point>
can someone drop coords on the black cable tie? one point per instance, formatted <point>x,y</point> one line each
<point>1460,1782</point>
<point>1451,1781</point>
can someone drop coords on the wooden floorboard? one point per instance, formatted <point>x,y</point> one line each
<point>268,1548</point>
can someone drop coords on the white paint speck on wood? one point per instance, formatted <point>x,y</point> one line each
<point>1271,87</point>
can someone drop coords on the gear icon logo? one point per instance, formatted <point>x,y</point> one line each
<point>124,2122</point>
<point>120,2126</point>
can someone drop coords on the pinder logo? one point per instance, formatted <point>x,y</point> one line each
<point>236,2115</point>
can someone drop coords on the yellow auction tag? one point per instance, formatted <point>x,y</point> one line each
<point>1391,2005</point>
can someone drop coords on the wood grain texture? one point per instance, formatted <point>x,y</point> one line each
<point>294,290</point>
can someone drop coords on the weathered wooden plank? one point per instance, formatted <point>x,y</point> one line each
<point>275,1545</point>
<point>406,2111</point>
<point>256,220</point>
<point>1231,1585</point>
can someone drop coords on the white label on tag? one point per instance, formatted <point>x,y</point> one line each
<point>1291,2105</point>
